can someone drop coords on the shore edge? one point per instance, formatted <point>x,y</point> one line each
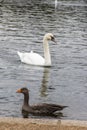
<point>11,123</point>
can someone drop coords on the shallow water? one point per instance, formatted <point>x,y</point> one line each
<point>22,28</point>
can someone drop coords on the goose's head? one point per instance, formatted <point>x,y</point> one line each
<point>23,90</point>
<point>49,36</point>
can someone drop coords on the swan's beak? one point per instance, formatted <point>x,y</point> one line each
<point>54,40</point>
<point>19,91</point>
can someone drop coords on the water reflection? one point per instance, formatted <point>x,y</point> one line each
<point>25,114</point>
<point>58,115</point>
<point>56,4</point>
<point>45,80</point>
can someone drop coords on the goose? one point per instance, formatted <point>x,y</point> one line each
<point>33,58</point>
<point>42,109</point>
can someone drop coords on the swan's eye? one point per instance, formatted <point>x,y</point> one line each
<point>52,38</point>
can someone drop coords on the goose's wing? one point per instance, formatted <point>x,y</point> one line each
<point>47,108</point>
<point>40,109</point>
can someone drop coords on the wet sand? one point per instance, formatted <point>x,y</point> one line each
<point>41,124</point>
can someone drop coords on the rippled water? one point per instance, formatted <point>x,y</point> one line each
<point>22,27</point>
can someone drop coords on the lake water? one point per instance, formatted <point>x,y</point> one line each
<point>22,27</point>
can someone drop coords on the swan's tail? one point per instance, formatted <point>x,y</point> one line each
<point>20,55</point>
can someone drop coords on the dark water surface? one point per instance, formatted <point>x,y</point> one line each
<point>22,28</point>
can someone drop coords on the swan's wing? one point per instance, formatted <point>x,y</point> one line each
<point>31,58</point>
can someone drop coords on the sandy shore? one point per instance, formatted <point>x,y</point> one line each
<point>41,124</point>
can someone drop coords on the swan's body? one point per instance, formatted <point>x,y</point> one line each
<point>34,58</point>
<point>31,58</point>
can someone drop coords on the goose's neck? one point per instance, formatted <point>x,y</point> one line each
<point>26,99</point>
<point>47,55</point>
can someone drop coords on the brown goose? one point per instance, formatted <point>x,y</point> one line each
<point>43,109</point>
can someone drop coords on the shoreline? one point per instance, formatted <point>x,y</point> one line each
<point>11,123</point>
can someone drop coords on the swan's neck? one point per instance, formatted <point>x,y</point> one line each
<point>47,55</point>
<point>26,99</point>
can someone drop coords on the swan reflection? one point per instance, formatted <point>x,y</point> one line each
<point>45,80</point>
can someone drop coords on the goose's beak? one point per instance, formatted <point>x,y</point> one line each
<point>19,91</point>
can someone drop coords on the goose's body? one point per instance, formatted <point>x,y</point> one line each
<point>34,58</point>
<point>39,109</point>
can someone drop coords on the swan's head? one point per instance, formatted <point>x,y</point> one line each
<point>49,36</point>
<point>23,90</point>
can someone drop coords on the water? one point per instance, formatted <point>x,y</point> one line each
<point>22,28</point>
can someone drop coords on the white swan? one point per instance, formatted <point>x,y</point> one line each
<point>34,58</point>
